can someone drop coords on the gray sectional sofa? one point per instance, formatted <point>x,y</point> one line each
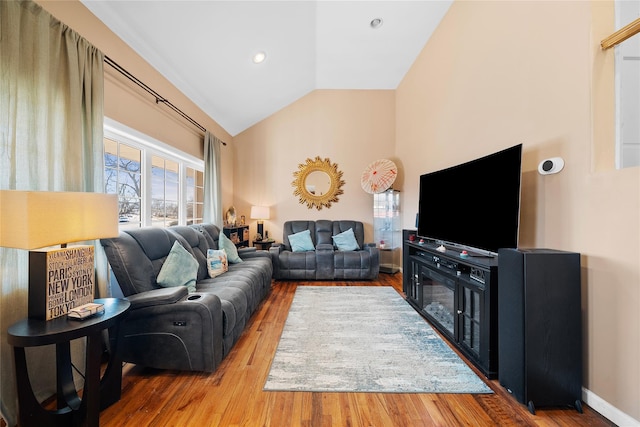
<point>324,261</point>
<point>169,328</point>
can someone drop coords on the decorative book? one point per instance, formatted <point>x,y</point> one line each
<point>86,310</point>
<point>59,280</point>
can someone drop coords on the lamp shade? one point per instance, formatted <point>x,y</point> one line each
<point>259,212</point>
<point>36,219</point>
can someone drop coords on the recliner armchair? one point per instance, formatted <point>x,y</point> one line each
<point>325,262</point>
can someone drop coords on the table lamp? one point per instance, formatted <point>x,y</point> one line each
<point>260,213</point>
<point>59,278</point>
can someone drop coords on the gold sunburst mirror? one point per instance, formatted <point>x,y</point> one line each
<point>317,183</point>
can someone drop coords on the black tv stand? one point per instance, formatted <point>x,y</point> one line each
<point>458,296</point>
<point>475,255</point>
<point>435,245</point>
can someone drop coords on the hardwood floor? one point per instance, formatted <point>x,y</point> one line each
<point>233,396</point>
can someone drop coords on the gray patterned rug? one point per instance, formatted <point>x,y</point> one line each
<point>364,339</point>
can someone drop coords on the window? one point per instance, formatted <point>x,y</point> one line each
<point>627,66</point>
<point>195,196</point>
<point>156,184</point>
<point>164,192</point>
<point>122,167</point>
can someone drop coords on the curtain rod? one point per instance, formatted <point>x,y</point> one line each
<point>159,98</point>
<point>621,35</point>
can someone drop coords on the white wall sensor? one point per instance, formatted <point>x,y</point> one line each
<point>552,165</point>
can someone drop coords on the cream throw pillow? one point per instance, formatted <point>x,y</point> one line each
<point>217,262</point>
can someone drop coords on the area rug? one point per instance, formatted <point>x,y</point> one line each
<point>364,339</point>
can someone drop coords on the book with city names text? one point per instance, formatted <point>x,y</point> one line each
<point>59,280</point>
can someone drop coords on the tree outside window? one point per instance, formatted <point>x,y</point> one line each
<point>153,187</point>
<point>122,176</point>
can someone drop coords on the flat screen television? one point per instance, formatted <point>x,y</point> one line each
<point>473,206</point>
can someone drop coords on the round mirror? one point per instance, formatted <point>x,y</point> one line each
<point>317,183</point>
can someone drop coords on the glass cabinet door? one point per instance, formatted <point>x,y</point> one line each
<point>387,232</point>
<point>469,318</point>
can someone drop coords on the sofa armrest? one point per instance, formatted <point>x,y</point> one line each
<point>372,248</point>
<point>253,254</point>
<point>184,335</point>
<point>276,248</point>
<point>160,296</point>
<point>242,251</point>
<point>274,251</point>
<point>374,253</point>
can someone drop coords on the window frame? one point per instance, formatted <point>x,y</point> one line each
<point>150,147</point>
<point>620,55</point>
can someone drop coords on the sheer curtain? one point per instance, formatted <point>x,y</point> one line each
<point>51,115</point>
<point>212,188</point>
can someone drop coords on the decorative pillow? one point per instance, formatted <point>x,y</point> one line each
<point>230,248</point>
<point>217,262</point>
<point>346,241</point>
<point>179,269</point>
<point>301,242</point>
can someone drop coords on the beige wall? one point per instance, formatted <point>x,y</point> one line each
<point>499,73</point>
<point>130,105</point>
<point>489,79</point>
<point>493,75</point>
<point>350,127</point>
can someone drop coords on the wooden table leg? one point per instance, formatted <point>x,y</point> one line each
<point>66,388</point>
<point>111,383</point>
<point>91,392</point>
<point>31,413</point>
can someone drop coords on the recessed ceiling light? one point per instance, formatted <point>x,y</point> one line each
<point>376,23</point>
<point>259,57</point>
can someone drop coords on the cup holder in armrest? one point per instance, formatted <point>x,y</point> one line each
<point>193,297</point>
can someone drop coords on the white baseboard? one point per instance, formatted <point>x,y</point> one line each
<point>607,410</point>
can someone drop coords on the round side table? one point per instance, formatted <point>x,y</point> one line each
<point>98,393</point>
<point>263,244</point>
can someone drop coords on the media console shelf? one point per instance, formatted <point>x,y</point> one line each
<point>458,296</point>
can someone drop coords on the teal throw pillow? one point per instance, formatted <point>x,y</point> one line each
<point>346,241</point>
<point>216,262</point>
<point>301,242</point>
<point>230,248</point>
<point>179,269</point>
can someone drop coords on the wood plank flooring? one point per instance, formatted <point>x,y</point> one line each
<point>233,396</point>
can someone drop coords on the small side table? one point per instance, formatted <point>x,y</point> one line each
<point>97,393</point>
<point>263,245</point>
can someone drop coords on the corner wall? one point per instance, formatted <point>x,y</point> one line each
<point>351,128</point>
<point>495,74</point>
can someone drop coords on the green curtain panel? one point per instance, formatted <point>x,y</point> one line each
<point>212,188</point>
<point>51,138</point>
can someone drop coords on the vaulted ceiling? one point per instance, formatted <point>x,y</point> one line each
<point>206,48</point>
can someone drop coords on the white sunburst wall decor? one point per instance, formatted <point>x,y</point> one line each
<point>379,176</point>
